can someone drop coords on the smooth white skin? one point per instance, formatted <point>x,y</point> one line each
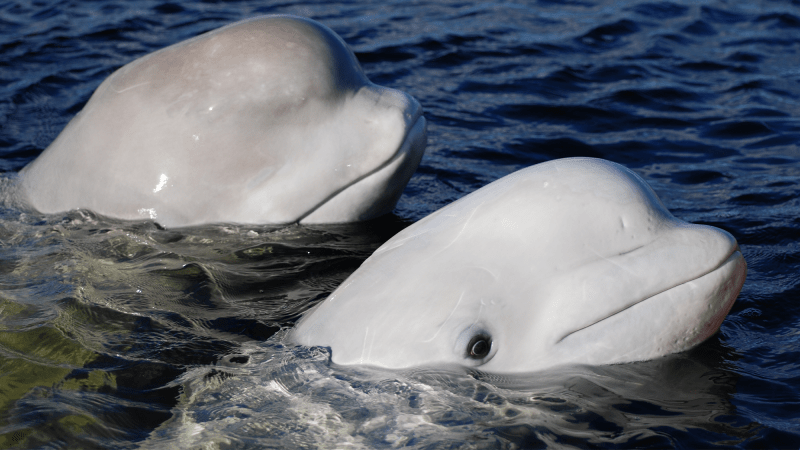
<point>268,120</point>
<point>573,261</point>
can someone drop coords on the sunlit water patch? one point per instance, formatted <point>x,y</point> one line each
<point>282,397</point>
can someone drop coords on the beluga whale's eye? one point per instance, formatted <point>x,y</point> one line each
<point>479,346</point>
<point>475,345</point>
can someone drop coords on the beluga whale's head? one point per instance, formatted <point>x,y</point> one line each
<point>267,120</point>
<point>573,261</point>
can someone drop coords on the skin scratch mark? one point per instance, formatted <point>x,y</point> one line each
<point>369,352</point>
<point>458,303</point>
<point>464,227</point>
<point>618,265</point>
<point>364,345</point>
<point>448,318</point>
<point>424,231</point>
<point>129,87</point>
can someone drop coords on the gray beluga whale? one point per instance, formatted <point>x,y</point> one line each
<point>572,261</point>
<point>267,120</point>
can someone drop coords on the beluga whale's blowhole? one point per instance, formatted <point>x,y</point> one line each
<point>267,120</point>
<point>572,261</point>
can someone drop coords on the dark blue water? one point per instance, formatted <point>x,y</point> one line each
<point>119,334</point>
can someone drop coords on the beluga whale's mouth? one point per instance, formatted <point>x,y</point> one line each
<point>572,261</point>
<point>377,191</point>
<point>710,290</point>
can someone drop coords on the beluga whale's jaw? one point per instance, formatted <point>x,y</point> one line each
<point>572,261</point>
<point>267,120</point>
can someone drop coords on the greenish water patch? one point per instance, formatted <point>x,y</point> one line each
<point>37,360</point>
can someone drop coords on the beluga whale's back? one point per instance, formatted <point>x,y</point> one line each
<point>572,261</point>
<point>268,120</point>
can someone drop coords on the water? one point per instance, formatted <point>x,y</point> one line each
<point>119,334</point>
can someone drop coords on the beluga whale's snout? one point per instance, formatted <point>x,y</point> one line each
<point>573,261</point>
<point>267,120</point>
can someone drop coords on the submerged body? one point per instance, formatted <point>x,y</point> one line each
<point>268,120</point>
<point>573,261</point>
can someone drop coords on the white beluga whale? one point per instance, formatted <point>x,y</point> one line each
<point>267,120</point>
<point>572,261</point>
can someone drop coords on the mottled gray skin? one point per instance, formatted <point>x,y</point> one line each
<point>572,261</point>
<point>268,120</point>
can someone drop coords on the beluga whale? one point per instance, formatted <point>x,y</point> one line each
<point>569,262</point>
<point>267,120</point>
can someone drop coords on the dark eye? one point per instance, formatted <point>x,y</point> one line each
<point>479,346</point>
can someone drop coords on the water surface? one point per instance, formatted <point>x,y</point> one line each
<point>121,334</point>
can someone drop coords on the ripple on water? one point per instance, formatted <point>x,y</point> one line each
<point>114,334</point>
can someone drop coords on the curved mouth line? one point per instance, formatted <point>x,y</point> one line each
<point>417,117</point>
<point>724,261</point>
